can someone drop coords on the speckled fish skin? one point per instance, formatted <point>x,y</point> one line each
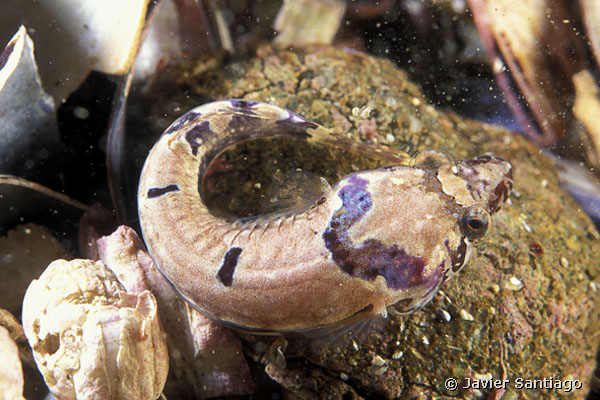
<point>380,237</point>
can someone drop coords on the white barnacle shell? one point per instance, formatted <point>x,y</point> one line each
<point>92,339</point>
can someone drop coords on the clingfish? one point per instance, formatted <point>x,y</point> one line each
<point>381,237</point>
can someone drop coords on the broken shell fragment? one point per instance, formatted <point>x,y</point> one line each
<point>92,339</point>
<point>11,372</point>
<point>206,358</point>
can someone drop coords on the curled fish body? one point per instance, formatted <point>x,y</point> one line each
<point>389,236</point>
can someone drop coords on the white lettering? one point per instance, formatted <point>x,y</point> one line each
<point>485,383</point>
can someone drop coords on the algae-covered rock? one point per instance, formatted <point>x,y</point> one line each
<point>526,305</point>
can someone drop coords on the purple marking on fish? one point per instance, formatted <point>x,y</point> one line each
<point>244,110</point>
<point>296,125</point>
<point>242,104</point>
<point>187,117</point>
<point>197,135</point>
<point>157,192</point>
<point>356,202</point>
<point>371,258</point>
<point>247,125</point>
<point>225,274</point>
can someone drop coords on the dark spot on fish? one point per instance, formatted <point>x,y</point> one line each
<point>457,257</point>
<point>247,126</point>
<point>499,196</point>
<point>242,108</point>
<point>371,258</point>
<point>242,104</point>
<point>197,135</point>
<point>296,126</point>
<point>225,274</point>
<point>157,192</point>
<point>179,122</point>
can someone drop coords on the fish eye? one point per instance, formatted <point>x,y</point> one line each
<point>474,222</point>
